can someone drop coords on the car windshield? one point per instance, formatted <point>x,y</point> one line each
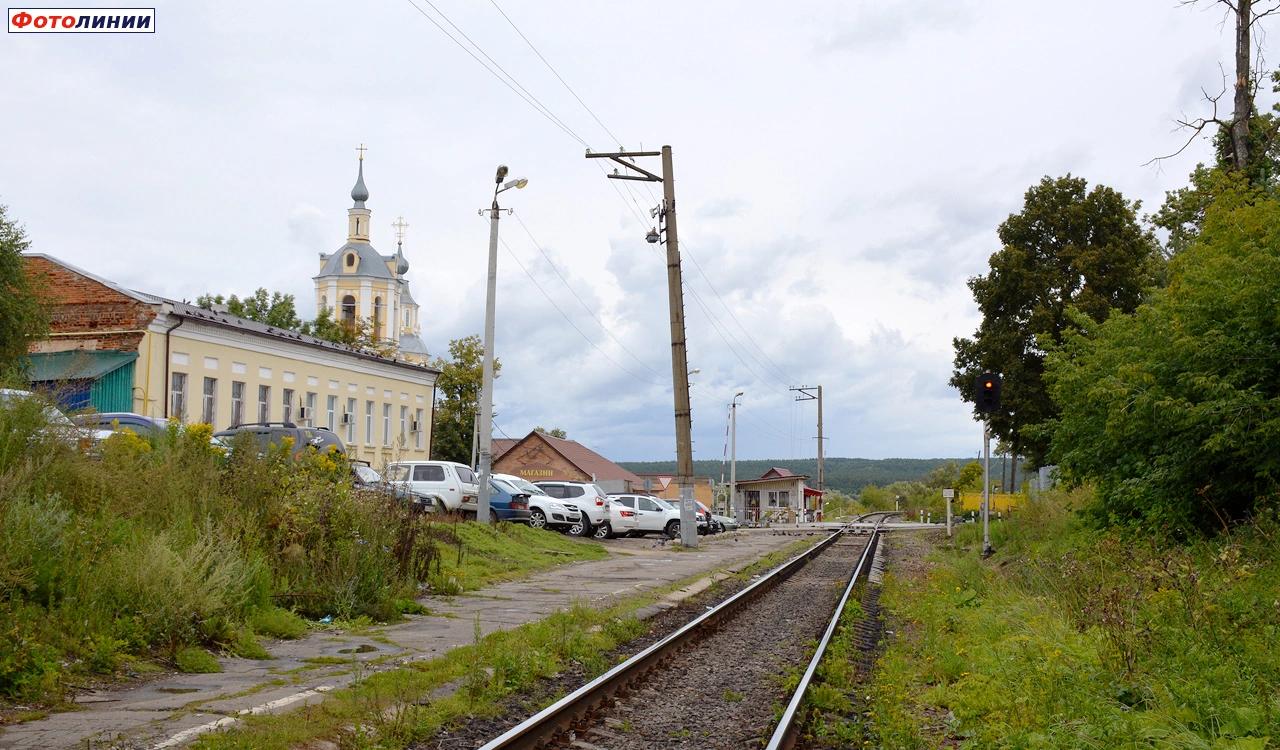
<point>504,486</point>
<point>664,504</point>
<point>366,474</point>
<point>599,492</point>
<point>527,486</point>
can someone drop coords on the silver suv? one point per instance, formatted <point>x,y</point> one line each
<point>586,497</point>
<point>544,510</point>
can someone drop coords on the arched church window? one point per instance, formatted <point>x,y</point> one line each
<point>349,309</point>
<point>377,315</point>
<point>351,260</point>
<point>324,301</point>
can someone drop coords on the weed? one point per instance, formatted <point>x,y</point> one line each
<point>194,660</point>
<point>275,622</point>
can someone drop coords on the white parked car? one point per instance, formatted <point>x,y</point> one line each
<point>452,482</point>
<point>84,438</point>
<point>652,515</point>
<point>544,510</point>
<point>586,497</point>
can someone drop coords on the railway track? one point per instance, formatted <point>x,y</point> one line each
<point>717,682</point>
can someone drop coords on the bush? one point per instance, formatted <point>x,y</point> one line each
<point>1174,411</point>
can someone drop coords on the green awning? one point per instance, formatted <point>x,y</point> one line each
<point>80,364</point>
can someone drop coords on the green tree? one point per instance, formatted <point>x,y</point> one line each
<point>22,317</point>
<point>1174,411</point>
<point>970,477</point>
<point>1069,247</point>
<point>553,432</point>
<point>458,399</point>
<point>357,333</point>
<point>272,308</point>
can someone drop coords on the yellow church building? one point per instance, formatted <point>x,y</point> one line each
<point>114,349</point>
<point>358,282</point>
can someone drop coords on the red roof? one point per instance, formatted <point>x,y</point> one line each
<point>778,472</point>
<point>586,460</point>
<point>501,445</point>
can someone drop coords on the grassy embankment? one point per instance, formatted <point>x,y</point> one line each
<point>1071,637</point>
<point>160,554</point>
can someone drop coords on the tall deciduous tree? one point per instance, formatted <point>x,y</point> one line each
<point>458,399</point>
<point>272,308</point>
<point>1069,247</point>
<point>1174,411</point>
<point>22,317</point>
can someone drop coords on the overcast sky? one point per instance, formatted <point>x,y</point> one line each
<point>841,168</point>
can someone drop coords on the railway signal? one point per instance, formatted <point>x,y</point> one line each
<point>988,393</point>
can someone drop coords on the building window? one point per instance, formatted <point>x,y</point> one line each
<point>351,257</point>
<point>368,423</point>
<point>753,498</point>
<point>377,317</point>
<point>332,403</point>
<point>417,435</point>
<point>287,402</point>
<point>784,497</point>
<point>178,396</point>
<point>324,301</point>
<point>773,498</point>
<point>349,310</point>
<point>404,423</point>
<point>386,424</point>
<point>237,403</point>
<point>210,409</point>
<point>351,420</point>
<point>264,403</point>
<point>311,409</point>
<point>406,318</point>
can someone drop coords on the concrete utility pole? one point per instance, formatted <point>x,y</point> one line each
<point>666,214</point>
<point>739,513</point>
<point>485,446</point>
<point>814,393</point>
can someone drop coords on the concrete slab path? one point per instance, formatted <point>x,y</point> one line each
<point>173,710</point>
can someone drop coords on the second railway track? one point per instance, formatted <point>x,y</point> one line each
<point>718,681</point>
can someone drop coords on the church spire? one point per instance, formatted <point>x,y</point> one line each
<point>360,193</point>
<point>358,216</point>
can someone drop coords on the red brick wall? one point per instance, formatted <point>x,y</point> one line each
<point>535,461</point>
<point>97,315</point>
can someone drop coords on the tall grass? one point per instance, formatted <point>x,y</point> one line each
<point>146,548</point>
<point>1071,637</point>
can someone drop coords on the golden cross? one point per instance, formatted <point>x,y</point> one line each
<point>400,224</point>
<point>361,149</point>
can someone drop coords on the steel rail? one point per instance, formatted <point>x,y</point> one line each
<point>788,729</point>
<point>566,714</point>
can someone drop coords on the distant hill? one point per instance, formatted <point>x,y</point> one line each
<point>844,474</point>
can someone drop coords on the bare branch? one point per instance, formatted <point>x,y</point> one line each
<point>1197,125</point>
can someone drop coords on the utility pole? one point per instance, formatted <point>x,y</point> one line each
<point>485,443</point>
<point>814,393</point>
<point>739,513</point>
<point>666,214</point>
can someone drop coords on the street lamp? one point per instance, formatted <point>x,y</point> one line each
<point>739,513</point>
<point>486,388</point>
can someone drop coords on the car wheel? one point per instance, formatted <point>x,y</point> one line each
<point>586,528</point>
<point>574,529</point>
<point>603,531</point>
<point>537,519</point>
<point>673,530</point>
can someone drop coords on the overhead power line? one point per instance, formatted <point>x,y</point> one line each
<point>637,210</point>
<point>515,86</point>
<point>556,73</point>
<point>569,320</point>
<point>582,302</point>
